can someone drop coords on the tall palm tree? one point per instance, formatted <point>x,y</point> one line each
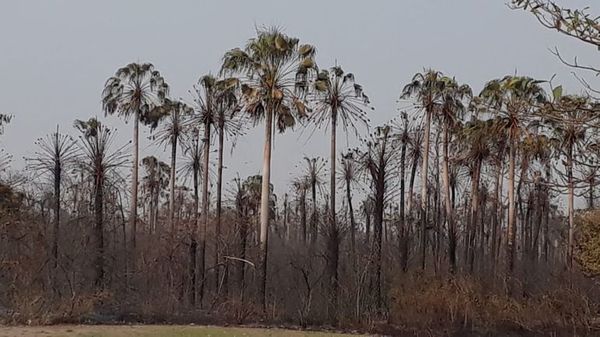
<point>378,161</point>
<point>338,98</point>
<point>134,90</point>
<point>474,139</point>
<point>57,152</point>
<point>227,123</point>
<point>205,105</point>
<point>172,133</point>
<point>426,88</point>
<point>276,69</point>
<point>99,162</point>
<point>193,167</point>
<point>513,99</point>
<point>450,112</point>
<point>569,119</point>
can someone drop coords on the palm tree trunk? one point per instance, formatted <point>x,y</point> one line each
<point>193,240</point>
<point>333,237</point>
<point>510,241</point>
<point>172,186</point>
<point>55,234</point>
<point>448,202</point>
<point>474,213</point>
<point>134,182</point>
<point>402,233</point>
<point>206,153</point>
<point>352,221</point>
<point>497,202</point>
<point>219,202</point>
<point>571,210</point>
<point>424,171</point>
<point>99,230</point>
<point>264,208</point>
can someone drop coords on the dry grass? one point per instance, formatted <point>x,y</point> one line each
<point>153,331</point>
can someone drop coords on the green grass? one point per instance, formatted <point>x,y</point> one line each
<point>154,331</point>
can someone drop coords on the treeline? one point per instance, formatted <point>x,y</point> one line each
<point>450,214</point>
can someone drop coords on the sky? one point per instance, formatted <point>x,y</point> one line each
<point>55,57</point>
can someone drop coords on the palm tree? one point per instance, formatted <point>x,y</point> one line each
<point>569,118</point>
<point>338,98</point>
<point>474,137</point>
<point>378,160</point>
<point>193,167</point>
<point>313,173</point>
<point>172,133</point>
<point>57,152</point>
<point>348,175</point>
<point>227,106</point>
<point>276,71</point>
<point>155,182</point>
<point>135,90</point>
<point>205,105</point>
<point>99,162</point>
<point>301,186</point>
<point>451,110</point>
<point>513,99</point>
<point>426,88</point>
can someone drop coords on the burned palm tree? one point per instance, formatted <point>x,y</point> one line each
<point>99,161</point>
<point>172,133</point>
<point>154,182</point>
<point>313,172</point>
<point>192,166</point>
<point>56,153</point>
<point>378,160</point>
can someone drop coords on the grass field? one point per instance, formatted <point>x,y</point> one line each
<point>153,331</point>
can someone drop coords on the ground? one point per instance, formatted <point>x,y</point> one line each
<point>153,331</point>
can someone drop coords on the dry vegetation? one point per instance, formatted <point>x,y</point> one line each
<point>447,218</point>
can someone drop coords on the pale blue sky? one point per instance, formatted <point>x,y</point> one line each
<point>56,55</point>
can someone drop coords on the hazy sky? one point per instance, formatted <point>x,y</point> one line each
<point>56,55</point>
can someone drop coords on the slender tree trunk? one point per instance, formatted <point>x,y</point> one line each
<point>57,191</point>
<point>313,217</point>
<point>134,182</point>
<point>172,186</point>
<point>333,239</point>
<point>206,159</point>
<point>303,216</point>
<point>99,229</point>
<point>264,208</point>
<point>352,221</point>
<point>424,171</point>
<point>402,233</point>
<point>448,202</point>
<point>474,213</point>
<point>193,238</point>
<point>510,231</point>
<point>497,204</point>
<point>219,202</point>
<point>571,193</point>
